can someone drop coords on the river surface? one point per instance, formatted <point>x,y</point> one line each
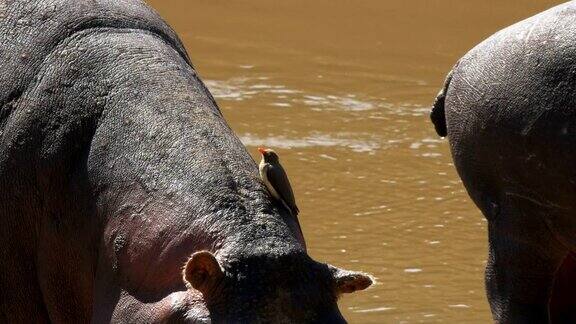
<point>341,89</point>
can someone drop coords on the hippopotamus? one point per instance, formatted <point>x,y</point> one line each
<point>508,108</point>
<point>126,197</point>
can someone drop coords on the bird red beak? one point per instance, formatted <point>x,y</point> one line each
<point>261,150</point>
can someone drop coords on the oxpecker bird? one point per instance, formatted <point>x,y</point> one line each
<point>276,180</point>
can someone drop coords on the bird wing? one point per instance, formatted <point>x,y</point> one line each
<point>277,175</point>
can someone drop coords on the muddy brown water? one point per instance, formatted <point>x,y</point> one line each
<point>342,89</point>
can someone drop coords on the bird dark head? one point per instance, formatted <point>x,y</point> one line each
<point>268,154</point>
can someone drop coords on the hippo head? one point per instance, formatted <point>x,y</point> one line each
<point>289,288</point>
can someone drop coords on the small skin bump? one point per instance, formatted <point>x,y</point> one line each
<point>119,243</point>
<point>494,209</point>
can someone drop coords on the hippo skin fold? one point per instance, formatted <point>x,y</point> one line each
<point>125,195</point>
<point>508,108</point>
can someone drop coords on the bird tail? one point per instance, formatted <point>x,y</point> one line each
<point>292,209</point>
<point>294,212</point>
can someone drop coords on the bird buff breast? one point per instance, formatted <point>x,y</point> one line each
<point>263,168</point>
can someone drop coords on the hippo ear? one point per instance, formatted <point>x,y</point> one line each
<point>202,271</point>
<point>350,281</point>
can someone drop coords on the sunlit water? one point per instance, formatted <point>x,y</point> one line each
<point>342,90</point>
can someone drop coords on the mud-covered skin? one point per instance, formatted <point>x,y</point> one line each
<point>510,117</point>
<point>116,166</point>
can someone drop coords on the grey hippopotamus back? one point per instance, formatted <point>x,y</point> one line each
<point>509,110</point>
<point>125,195</point>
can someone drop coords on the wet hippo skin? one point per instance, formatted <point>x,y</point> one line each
<point>509,110</point>
<point>125,195</point>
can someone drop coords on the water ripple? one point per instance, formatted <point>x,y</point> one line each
<point>312,140</point>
